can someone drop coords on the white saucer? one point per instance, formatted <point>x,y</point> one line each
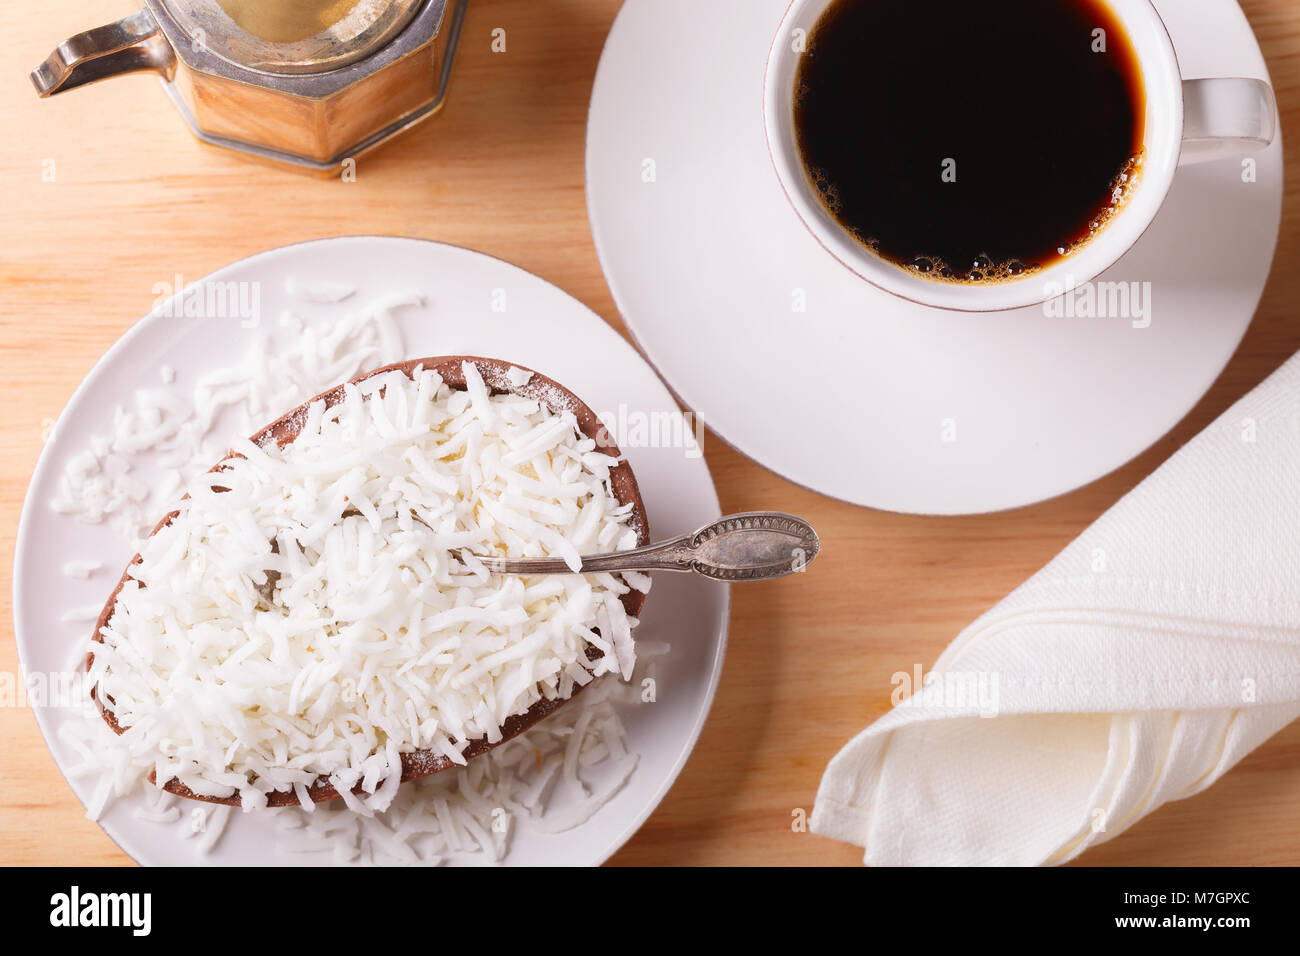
<point>542,328</point>
<point>863,396</point>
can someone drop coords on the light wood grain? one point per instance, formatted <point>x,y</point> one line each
<point>137,200</point>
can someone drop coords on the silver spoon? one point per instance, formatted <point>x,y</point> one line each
<point>752,546</point>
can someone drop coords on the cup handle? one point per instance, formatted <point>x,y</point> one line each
<point>1226,116</point>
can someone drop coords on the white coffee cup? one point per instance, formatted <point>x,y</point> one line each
<point>1187,121</point>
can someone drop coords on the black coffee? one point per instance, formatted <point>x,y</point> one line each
<point>970,141</point>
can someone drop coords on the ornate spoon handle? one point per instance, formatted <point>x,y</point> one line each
<point>752,546</point>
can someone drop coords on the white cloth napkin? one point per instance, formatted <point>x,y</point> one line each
<point>1141,664</point>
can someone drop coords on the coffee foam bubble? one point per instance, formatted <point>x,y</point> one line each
<point>826,191</point>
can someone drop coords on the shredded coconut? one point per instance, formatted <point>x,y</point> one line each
<point>81,569</point>
<point>518,377</point>
<point>477,808</point>
<point>304,615</point>
<point>134,471</point>
<point>79,614</point>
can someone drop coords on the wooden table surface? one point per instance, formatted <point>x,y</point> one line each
<point>136,200</point>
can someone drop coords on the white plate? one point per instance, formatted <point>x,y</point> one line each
<point>856,396</point>
<point>542,328</point>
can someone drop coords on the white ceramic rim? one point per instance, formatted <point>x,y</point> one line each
<point>1162,141</point>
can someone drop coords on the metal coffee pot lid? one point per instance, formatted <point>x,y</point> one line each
<point>291,36</point>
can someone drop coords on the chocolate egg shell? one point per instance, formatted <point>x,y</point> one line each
<point>283,431</point>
